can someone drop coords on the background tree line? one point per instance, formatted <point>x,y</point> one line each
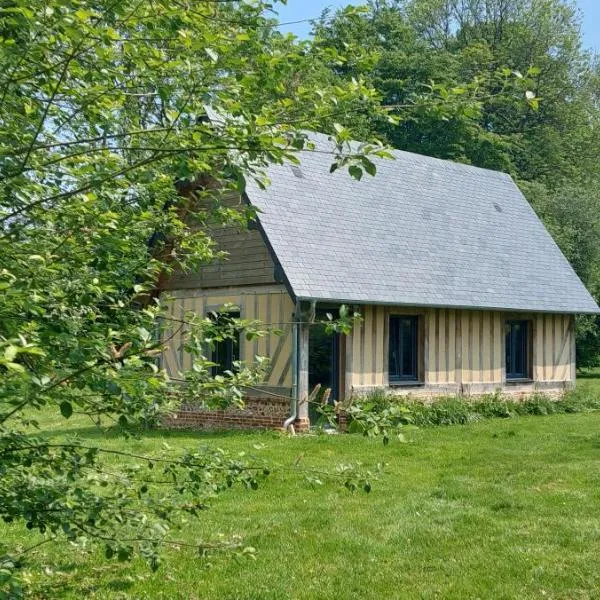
<point>427,57</point>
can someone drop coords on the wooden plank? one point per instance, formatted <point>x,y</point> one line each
<point>380,345</point>
<point>178,337</point>
<point>538,352</point>
<point>285,379</point>
<point>362,347</point>
<point>367,347</point>
<point>288,317</point>
<point>255,316</point>
<point>573,349</point>
<point>217,301</point>
<point>493,347</point>
<point>186,359</point>
<point>467,336</point>
<point>451,346</point>
<point>168,360</point>
<point>475,349</point>
<point>547,348</point>
<point>440,343</point>
<point>564,354</point>
<point>554,333</point>
<point>430,374</point>
<point>356,354</point>
<point>374,343</point>
<point>263,316</point>
<point>502,348</point>
<point>386,345</point>
<point>342,368</point>
<point>499,346</point>
<point>247,312</point>
<point>281,353</point>
<point>486,346</point>
<point>458,373</point>
<point>270,316</point>
<point>349,367</point>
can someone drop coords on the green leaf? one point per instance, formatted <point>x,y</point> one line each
<point>124,553</point>
<point>212,54</point>
<point>369,166</point>
<point>355,171</point>
<point>12,366</point>
<point>66,410</point>
<point>10,352</point>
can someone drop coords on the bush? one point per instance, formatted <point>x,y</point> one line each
<point>460,411</point>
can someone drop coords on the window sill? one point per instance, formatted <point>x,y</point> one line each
<point>519,380</point>
<point>401,384</point>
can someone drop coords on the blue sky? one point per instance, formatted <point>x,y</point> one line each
<point>297,10</point>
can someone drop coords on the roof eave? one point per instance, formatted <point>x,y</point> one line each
<point>595,311</point>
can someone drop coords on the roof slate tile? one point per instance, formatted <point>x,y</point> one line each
<point>423,231</point>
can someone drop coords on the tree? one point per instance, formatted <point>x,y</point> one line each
<point>110,168</point>
<point>493,54</point>
<point>570,213</point>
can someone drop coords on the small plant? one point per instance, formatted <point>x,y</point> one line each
<point>381,413</point>
<point>373,416</point>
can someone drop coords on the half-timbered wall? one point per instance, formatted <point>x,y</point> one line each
<point>271,305</point>
<point>460,351</point>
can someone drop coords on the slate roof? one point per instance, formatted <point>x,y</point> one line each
<point>422,232</point>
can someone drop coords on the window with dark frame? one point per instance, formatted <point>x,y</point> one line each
<point>227,351</point>
<point>403,351</point>
<point>517,349</point>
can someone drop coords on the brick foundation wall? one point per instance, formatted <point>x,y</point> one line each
<point>258,413</point>
<point>430,392</point>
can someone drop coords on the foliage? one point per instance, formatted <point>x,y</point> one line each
<point>380,404</point>
<point>373,416</point>
<point>110,173</point>
<point>570,212</point>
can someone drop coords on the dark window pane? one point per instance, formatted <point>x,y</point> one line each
<point>407,347</point>
<point>517,350</point>
<point>225,352</point>
<point>403,349</point>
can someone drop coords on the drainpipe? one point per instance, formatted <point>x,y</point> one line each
<point>294,401</point>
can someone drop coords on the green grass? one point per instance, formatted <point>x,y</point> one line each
<point>501,508</point>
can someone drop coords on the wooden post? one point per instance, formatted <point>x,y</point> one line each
<point>303,333</point>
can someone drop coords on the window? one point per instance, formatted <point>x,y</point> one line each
<point>403,349</point>
<point>517,349</point>
<point>227,351</point>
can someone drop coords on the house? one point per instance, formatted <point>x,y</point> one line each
<point>460,287</point>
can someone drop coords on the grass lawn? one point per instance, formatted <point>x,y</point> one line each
<point>494,509</point>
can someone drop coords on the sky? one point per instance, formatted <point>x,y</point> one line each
<point>297,10</point>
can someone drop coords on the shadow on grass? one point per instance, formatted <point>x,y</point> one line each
<point>591,374</point>
<point>72,581</point>
<point>114,433</point>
